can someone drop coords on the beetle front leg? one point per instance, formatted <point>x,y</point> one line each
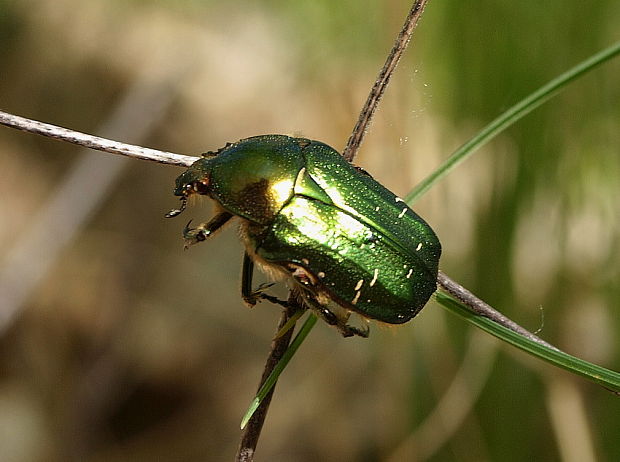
<point>204,230</point>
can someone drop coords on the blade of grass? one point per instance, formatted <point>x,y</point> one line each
<point>273,377</point>
<point>597,374</point>
<point>509,117</point>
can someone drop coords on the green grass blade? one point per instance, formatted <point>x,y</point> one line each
<point>605,377</point>
<point>273,377</point>
<point>509,117</point>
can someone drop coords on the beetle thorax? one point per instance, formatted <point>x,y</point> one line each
<point>253,179</point>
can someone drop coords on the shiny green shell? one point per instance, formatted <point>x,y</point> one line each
<point>306,206</point>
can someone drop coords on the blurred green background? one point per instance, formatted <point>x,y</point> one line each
<point>116,345</point>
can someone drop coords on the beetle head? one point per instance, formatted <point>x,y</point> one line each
<point>195,180</point>
<point>252,178</point>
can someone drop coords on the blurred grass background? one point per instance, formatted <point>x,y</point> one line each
<point>126,348</point>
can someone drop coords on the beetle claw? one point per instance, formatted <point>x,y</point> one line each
<point>340,322</point>
<point>194,235</point>
<point>349,331</point>
<point>259,294</point>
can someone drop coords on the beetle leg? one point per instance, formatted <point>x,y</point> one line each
<point>333,319</point>
<point>204,230</point>
<point>252,296</point>
<point>247,271</point>
<point>311,293</point>
<point>340,323</point>
<point>362,332</point>
<point>345,329</point>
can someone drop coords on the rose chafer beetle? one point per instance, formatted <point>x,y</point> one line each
<point>343,242</point>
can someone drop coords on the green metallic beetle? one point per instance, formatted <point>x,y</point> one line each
<point>344,243</point>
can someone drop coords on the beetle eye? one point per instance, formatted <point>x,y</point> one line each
<point>201,187</point>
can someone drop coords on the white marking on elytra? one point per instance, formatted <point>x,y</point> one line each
<point>357,297</point>
<point>359,285</point>
<point>374,278</point>
<point>409,273</point>
<point>403,212</point>
<point>398,199</point>
<point>321,274</point>
<point>419,246</point>
<point>377,208</point>
<point>300,175</point>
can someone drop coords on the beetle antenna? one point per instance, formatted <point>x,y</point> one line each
<point>174,212</point>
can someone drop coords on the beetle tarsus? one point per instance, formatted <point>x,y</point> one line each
<point>340,323</point>
<point>259,294</point>
<point>349,331</point>
<point>275,300</point>
<point>194,235</point>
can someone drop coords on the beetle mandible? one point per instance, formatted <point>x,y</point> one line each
<point>343,242</point>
